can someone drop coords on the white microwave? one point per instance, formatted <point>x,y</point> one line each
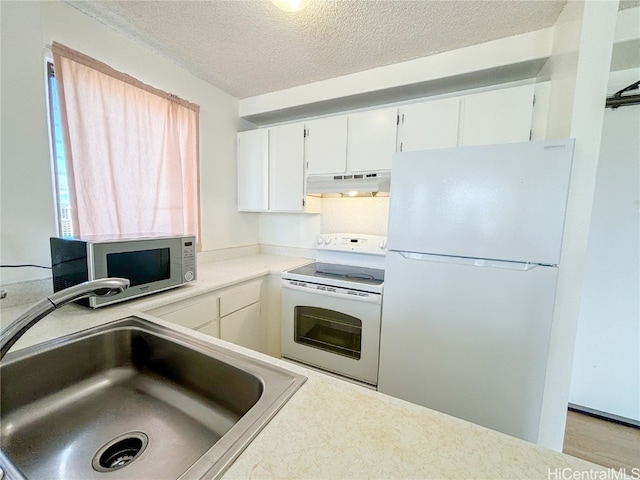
<point>152,263</point>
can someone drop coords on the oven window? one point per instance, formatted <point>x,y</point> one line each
<point>328,330</point>
<point>141,267</point>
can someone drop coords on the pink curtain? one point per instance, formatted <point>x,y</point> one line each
<point>131,151</point>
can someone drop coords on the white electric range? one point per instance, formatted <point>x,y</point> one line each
<point>331,309</point>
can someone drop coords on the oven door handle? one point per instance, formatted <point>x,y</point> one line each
<point>369,298</point>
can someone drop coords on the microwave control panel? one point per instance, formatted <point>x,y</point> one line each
<point>189,259</point>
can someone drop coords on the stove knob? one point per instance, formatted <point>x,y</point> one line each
<point>382,244</point>
<point>327,240</point>
<point>319,240</point>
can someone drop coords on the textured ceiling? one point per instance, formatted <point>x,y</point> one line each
<point>249,47</point>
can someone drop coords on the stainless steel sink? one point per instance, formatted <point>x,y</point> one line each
<point>131,399</point>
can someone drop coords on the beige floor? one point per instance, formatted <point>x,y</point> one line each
<point>605,443</point>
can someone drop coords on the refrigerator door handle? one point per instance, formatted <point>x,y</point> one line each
<point>475,262</point>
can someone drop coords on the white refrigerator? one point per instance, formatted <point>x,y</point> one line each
<point>473,255</point>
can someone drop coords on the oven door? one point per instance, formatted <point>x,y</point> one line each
<point>334,331</point>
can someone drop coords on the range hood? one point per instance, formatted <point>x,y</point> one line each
<point>349,183</point>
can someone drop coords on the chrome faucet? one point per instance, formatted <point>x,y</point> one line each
<point>103,287</point>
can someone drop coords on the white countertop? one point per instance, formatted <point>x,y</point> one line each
<point>211,276</point>
<point>331,428</point>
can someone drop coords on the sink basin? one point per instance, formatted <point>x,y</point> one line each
<point>132,399</point>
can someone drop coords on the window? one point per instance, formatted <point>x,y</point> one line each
<point>126,154</point>
<point>59,162</point>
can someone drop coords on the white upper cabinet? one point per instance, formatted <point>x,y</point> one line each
<point>429,125</point>
<point>272,161</point>
<point>271,171</point>
<point>326,146</point>
<point>253,170</point>
<point>286,168</point>
<point>499,116</point>
<point>371,140</point>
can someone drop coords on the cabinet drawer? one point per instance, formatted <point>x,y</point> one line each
<point>239,297</point>
<point>189,313</point>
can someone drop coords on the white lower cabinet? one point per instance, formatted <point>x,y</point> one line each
<point>244,328</point>
<point>272,312</point>
<point>212,328</point>
<point>247,314</point>
<point>240,316</point>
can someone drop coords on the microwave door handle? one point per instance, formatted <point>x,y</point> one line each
<point>371,298</point>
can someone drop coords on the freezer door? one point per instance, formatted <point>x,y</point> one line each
<point>497,201</point>
<point>468,340</point>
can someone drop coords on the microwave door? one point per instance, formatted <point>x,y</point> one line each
<point>148,265</point>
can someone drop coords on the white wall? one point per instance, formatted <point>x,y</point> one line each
<point>291,230</point>
<point>606,367</point>
<point>26,185</point>
<point>27,196</point>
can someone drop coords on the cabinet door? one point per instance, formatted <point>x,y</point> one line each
<point>500,116</point>
<point>212,329</point>
<point>371,140</point>
<point>430,125</point>
<point>272,313</point>
<point>253,170</point>
<point>326,146</point>
<point>244,328</point>
<point>286,168</point>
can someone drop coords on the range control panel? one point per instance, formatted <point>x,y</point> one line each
<point>352,242</point>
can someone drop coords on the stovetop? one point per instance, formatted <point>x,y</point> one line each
<point>345,260</point>
<point>346,276</point>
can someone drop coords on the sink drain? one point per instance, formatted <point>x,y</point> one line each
<point>120,452</point>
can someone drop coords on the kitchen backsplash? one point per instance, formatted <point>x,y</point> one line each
<point>339,215</point>
<point>283,251</point>
<point>227,253</point>
<point>355,215</point>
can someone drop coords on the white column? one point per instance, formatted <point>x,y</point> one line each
<point>579,71</point>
